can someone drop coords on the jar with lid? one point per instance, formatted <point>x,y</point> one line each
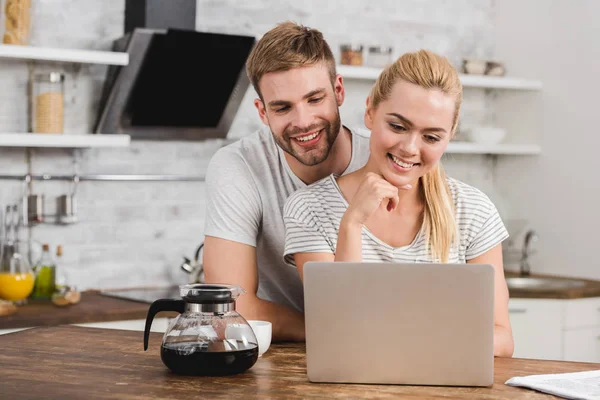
<point>16,19</point>
<point>351,54</point>
<point>379,56</point>
<point>48,103</point>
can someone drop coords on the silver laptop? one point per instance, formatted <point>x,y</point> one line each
<point>386,323</point>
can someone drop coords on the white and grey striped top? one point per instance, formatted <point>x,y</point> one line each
<point>312,218</point>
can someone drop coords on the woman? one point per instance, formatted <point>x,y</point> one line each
<point>400,207</point>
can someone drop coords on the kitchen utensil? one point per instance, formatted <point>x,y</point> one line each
<point>208,337</point>
<point>35,208</point>
<point>195,269</point>
<point>66,205</point>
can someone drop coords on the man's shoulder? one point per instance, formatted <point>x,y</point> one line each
<point>257,147</point>
<point>358,132</point>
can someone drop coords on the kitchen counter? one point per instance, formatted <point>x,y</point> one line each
<point>70,362</point>
<point>590,289</point>
<point>93,307</point>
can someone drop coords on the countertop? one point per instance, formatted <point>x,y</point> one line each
<point>590,289</point>
<point>69,362</point>
<point>93,307</point>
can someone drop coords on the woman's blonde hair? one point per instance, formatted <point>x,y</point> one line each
<point>430,71</point>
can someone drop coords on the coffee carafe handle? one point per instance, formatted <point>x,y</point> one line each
<point>158,306</point>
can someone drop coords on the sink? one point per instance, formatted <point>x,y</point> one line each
<point>544,283</point>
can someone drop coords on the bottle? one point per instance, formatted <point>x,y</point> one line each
<point>45,280</point>
<point>61,275</point>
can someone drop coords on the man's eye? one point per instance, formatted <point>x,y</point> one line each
<point>315,100</point>
<point>281,110</point>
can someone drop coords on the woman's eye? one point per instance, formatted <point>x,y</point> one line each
<point>432,139</point>
<point>397,127</point>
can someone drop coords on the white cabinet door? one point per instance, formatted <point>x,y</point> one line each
<point>582,345</point>
<point>537,326</point>
<point>583,313</point>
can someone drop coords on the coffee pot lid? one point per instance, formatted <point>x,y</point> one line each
<point>209,293</point>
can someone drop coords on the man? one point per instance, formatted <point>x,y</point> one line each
<point>292,70</point>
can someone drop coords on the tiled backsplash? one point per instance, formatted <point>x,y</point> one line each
<point>136,233</point>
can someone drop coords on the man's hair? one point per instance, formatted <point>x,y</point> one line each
<point>288,45</point>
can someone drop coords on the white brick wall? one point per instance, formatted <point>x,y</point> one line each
<point>135,233</point>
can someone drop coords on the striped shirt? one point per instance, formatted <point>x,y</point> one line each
<point>312,218</point>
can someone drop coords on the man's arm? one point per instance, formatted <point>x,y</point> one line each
<point>230,262</point>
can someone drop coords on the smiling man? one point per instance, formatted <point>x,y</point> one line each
<point>292,69</point>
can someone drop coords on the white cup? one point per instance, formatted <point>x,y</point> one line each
<point>262,331</point>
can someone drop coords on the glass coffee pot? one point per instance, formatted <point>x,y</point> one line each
<point>208,337</point>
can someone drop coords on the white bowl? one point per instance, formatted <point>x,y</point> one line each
<point>262,331</point>
<point>473,66</point>
<point>486,134</point>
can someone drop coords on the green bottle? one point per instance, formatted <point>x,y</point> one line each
<point>45,277</point>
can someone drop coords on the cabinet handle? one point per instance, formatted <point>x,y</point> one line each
<point>517,310</point>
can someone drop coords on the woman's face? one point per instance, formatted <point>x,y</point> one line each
<point>409,132</point>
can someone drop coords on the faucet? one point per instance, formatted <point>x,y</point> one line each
<point>530,236</point>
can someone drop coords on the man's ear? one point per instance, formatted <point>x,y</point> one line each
<point>369,114</point>
<point>262,111</point>
<point>338,90</point>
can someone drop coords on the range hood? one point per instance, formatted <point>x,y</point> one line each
<point>179,85</point>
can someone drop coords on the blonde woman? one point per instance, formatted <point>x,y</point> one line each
<point>401,207</point>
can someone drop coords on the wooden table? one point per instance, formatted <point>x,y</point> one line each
<point>93,307</point>
<point>68,362</point>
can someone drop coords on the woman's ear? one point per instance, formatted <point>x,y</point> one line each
<point>369,114</point>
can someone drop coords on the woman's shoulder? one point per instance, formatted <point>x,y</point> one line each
<point>468,198</point>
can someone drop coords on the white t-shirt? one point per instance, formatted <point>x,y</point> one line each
<point>312,219</point>
<point>247,184</point>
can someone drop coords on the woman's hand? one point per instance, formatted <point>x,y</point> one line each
<point>373,192</point>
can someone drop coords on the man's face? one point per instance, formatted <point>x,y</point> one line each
<point>300,106</point>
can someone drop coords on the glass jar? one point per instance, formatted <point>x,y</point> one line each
<point>16,18</point>
<point>379,56</point>
<point>351,54</point>
<point>48,103</point>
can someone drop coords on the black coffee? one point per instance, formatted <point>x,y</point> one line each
<point>193,359</point>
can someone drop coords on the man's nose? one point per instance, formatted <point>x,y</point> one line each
<point>303,117</point>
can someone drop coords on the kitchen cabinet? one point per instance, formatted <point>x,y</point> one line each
<point>582,345</point>
<point>537,328</point>
<point>553,329</point>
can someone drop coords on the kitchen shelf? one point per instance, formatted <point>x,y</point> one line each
<point>63,140</point>
<point>498,149</point>
<point>63,55</point>
<point>473,81</point>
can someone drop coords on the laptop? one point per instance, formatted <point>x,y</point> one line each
<point>389,323</point>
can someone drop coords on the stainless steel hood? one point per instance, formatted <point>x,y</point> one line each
<point>178,85</point>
